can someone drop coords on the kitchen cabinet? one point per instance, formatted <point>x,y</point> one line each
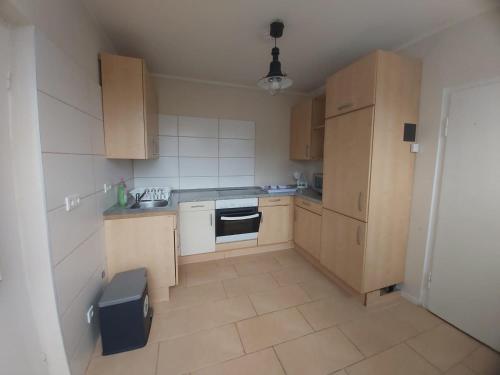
<point>307,124</point>
<point>346,179</point>
<point>343,247</point>
<point>130,108</point>
<point>197,227</point>
<point>368,170</point>
<point>353,87</point>
<point>149,242</point>
<point>307,231</point>
<point>276,220</point>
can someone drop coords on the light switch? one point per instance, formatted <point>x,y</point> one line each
<point>107,187</point>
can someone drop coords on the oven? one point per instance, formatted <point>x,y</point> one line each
<point>236,219</point>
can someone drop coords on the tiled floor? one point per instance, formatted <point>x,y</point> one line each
<point>275,314</point>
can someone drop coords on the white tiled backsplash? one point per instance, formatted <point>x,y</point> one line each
<point>198,152</point>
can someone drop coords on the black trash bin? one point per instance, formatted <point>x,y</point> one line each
<point>124,312</point>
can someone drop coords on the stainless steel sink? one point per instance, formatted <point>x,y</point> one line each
<point>149,204</point>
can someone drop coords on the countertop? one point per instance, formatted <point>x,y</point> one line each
<point>197,195</point>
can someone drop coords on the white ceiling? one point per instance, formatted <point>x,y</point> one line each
<point>227,40</point>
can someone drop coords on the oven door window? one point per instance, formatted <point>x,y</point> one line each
<point>232,221</point>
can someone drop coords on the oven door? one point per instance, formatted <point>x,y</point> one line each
<point>236,224</point>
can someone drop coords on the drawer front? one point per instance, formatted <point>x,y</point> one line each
<point>197,206</point>
<point>309,205</point>
<point>275,201</point>
<point>352,88</point>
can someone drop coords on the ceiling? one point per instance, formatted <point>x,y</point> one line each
<point>228,40</point>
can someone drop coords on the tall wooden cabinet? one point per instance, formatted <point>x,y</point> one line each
<point>130,108</point>
<point>307,125</point>
<point>368,170</point>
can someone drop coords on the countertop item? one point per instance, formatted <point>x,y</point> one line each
<point>198,195</point>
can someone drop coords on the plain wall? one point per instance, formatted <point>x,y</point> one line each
<point>271,115</point>
<point>465,53</point>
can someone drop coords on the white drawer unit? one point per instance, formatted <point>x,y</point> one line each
<point>197,227</point>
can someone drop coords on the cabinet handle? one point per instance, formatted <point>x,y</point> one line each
<point>360,195</point>
<point>211,221</point>
<point>344,106</point>
<point>197,206</point>
<point>358,235</point>
<point>307,151</point>
<point>274,200</point>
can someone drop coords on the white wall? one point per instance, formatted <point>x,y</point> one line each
<point>69,142</point>
<point>271,115</point>
<point>465,53</point>
<point>200,152</point>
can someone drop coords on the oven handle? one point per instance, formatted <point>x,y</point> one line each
<point>235,218</point>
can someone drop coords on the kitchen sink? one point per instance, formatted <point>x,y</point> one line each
<point>149,204</point>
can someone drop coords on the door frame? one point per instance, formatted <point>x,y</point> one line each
<point>437,184</point>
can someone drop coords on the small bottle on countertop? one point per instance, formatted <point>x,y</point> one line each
<point>122,193</point>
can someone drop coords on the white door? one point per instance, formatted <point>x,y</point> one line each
<point>197,231</point>
<point>465,282</point>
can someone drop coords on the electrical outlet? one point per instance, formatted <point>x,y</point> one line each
<point>90,314</point>
<point>72,202</point>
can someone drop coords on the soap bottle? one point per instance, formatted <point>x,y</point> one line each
<point>122,193</point>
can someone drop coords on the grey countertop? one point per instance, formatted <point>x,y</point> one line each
<point>197,195</point>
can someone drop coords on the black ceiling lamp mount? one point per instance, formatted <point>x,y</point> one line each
<point>275,80</point>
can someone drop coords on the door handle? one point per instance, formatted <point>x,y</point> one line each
<point>360,195</point>
<point>236,218</point>
<point>344,106</point>
<point>358,235</point>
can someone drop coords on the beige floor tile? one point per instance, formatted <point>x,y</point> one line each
<point>377,332</point>
<point>341,372</point>
<point>460,370</point>
<point>249,284</point>
<point>297,274</point>
<point>398,360</point>
<point>421,319</point>
<point>279,298</point>
<point>208,273</point>
<point>319,353</point>
<point>259,363</point>
<point>249,258</point>
<point>318,288</point>
<point>270,329</point>
<point>140,361</point>
<point>290,259</point>
<point>182,322</point>
<point>332,311</point>
<point>192,296</point>
<point>257,267</point>
<point>484,361</point>
<point>202,349</point>
<point>443,346</point>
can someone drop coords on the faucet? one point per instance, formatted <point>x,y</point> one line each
<point>138,197</point>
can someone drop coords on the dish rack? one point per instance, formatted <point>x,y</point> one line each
<point>153,193</point>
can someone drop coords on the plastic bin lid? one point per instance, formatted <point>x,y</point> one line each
<point>125,287</point>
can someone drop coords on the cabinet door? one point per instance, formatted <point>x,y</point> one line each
<point>300,131</point>
<point>144,242</point>
<point>343,247</point>
<point>347,161</point>
<point>197,231</point>
<point>276,225</point>
<point>352,87</point>
<point>123,107</point>
<point>307,231</point>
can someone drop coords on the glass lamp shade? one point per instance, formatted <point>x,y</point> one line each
<point>274,84</point>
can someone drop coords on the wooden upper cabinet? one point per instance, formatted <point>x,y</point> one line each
<point>130,108</point>
<point>346,168</point>
<point>352,87</point>
<point>307,129</point>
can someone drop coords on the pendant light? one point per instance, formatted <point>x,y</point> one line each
<point>275,80</point>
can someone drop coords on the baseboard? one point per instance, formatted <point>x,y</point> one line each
<point>198,258</point>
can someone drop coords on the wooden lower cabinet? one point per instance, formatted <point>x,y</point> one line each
<point>307,231</point>
<point>148,242</point>
<point>276,224</point>
<point>343,248</point>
